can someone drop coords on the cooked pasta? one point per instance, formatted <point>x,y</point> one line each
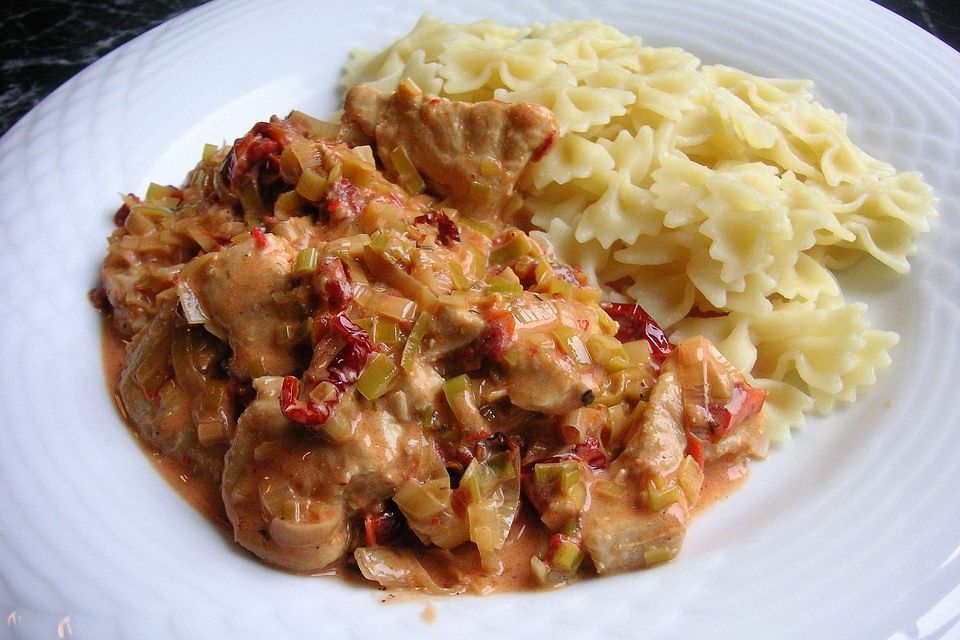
<point>722,201</point>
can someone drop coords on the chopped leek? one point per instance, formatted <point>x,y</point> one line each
<point>306,264</point>
<point>517,246</point>
<point>502,463</point>
<point>558,286</point>
<point>475,225</point>
<point>394,247</point>
<point>324,391</point>
<point>608,351</point>
<point>657,555</point>
<point>376,376</point>
<point>567,556</point>
<point>349,247</point>
<point>540,570</point>
<point>455,388</point>
<point>610,489</point>
<point>291,165</point>
<point>480,192</point>
<point>382,330</point>
<point>638,352</point>
<point>336,172</point>
<point>206,242</point>
<point>658,498</point>
<point>690,479</point>
<point>587,295</point>
<point>188,376</point>
<point>161,194</point>
<point>153,367</point>
<point>565,473</point>
<point>471,485</point>
<point>311,185</point>
<point>340,426</point>
<point>172,397</point>
<point>571,344</point>
<point>396,568</point>
<point>251,202</point>
<point>396,277</point>
<point>457,277</point>
<point>479,263</point>
<point>422,501</point>
<point>607,324</point>
<point>412,347</point>
<point>380,215</point>
<point>138,223</point>
<point>613,394</point>
<point>288,203</point>
<point>505,283</point>
<point>543,270</point>
<point>614,426</point>
<point>409,177</point>
<point>581,423</point>
<point>489,167</point>
<point>389,305</point>
<point>356,169</point>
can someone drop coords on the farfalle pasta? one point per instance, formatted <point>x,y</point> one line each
<point>721,201</point>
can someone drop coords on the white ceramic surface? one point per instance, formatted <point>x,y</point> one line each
<point>850,530</point>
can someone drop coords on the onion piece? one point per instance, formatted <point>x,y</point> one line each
<point>383,303</point>
<point>398,569</point>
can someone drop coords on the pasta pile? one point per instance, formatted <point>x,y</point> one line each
<point>721,201</point>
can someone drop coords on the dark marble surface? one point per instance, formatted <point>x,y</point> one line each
<point>46,42</point>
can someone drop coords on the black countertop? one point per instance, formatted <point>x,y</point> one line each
<point>46,42</point>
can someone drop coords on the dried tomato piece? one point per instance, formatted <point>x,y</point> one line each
<point>745,403</point>
<point>344,201</point>
<point>343,371</point>
<point>447,230</point>
<point>345,367</point>
<point>332,284</point>
<point>259,237</point>
<point>264,142</point>
<point>488,349</point>
<point>591,452</point>
<point>636,324</point>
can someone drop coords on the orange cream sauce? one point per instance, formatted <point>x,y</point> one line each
<point>527,538</point>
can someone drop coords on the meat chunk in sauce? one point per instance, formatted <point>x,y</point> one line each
<point>625,532</point>
<point>236,288</point>
<point>161,389</point>
<point>297,501</point>
<point>470,154</point>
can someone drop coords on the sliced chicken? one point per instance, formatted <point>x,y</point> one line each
<point>470,153</point>
<point>235,287</point>
<point>157,406</point>
<point>624,532</point>
<point>540,377</point>
<point>293,498</point>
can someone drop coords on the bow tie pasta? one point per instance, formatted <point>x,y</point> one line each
<point>721,201</point>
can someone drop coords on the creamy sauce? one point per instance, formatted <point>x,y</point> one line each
<point>527,538</point>
<point>721,478</point>
<point>201,493</point>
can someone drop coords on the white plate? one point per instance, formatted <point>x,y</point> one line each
<point>849,530</point>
